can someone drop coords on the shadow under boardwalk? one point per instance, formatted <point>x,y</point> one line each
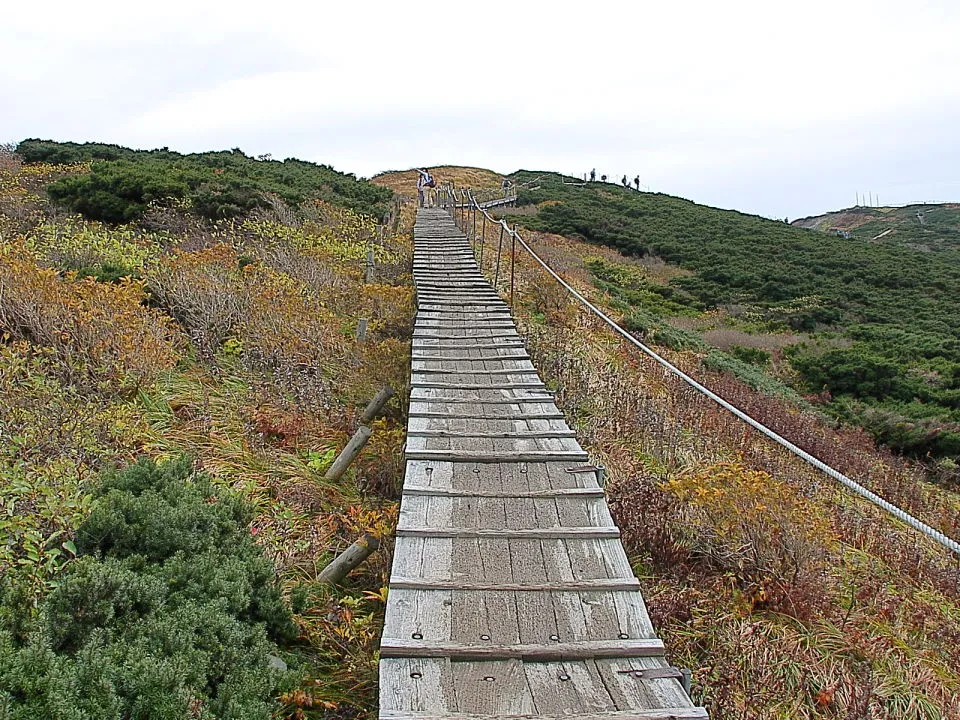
<point>510,593</point>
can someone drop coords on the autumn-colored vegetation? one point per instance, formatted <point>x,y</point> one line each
<point>228,339</point>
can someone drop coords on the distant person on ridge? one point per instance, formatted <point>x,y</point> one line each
<point>636,181</point>
<point>593,175</point>
<point>425,180</point>
<point>624,181</point>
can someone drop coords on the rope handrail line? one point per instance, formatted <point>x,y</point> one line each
<point>852,485</point>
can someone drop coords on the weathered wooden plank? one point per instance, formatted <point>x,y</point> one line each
<point>632,616</point>
<point>529,534</point>
<point>467,334</point>
<point>588,649</point>
<point>419,583</point>
<point>472,344</point>
<point>477,323</point>
<point>419,615</point>
<point>630,691</point>
<point>452,369</point>
<point>495,435</point>
<point>491,689</point>
<point>460,357</point>
<point>476,415</point>
<point>494,457</point>
<point>566,688</point>
<point>481,395</point>
<point>416,685</point>
<point>665,713</point>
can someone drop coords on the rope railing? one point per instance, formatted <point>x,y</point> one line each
<point>462,214</point>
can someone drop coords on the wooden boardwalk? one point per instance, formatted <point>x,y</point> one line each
<point>510,594</point>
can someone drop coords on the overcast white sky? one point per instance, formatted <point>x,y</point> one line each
<point>780,109</point>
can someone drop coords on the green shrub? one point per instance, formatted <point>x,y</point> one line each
<point>752,375</point>
<point>750,355</point>
<point>170,611</point>
<point>107,273</point>
<point>122,182</point>
<point>119,191</point>
<point>854,371</point>
<point>677,338</point>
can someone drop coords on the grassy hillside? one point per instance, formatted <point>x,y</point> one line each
<point>880,321</point>
<point>226,338</point>
<point>404,182</point>
<point>927,228</point>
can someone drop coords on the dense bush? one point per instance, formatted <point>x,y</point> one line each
<point>170,611</point>
<point>122,182</point>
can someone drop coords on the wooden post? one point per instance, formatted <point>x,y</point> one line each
<point>686,680</point>
<point>369,266</point>
<point>496,276</point>
<point>483,239</point>
<point>349,453</point>
<point>362,329</point>
<point>601,475</point>
<point>349,559</point>
<point>376,405</point>
<point>513,262</point>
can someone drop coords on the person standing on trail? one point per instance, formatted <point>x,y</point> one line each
<point>636,181</point>
<point>593,175</point>
<point>425,180</point>
<point>506,187</point>
<point>624,181</point>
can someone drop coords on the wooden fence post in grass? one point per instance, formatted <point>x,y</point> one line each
<point>349,453</point>
<point>368,269</point>
<point>349,559</point>
<point>376,405</point>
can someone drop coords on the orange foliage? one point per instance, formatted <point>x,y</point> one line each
<point>96,329</point>
<point>748,521</point>
<point>203,290</point>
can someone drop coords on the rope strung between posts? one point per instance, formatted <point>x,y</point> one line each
<point>855,487</point>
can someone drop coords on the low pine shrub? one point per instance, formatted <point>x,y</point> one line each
<point>170,611</point>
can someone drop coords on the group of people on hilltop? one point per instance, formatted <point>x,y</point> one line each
<point>623,181</point>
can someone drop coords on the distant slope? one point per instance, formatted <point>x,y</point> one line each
<point>885,318</point>
<point>404,182</point>
<point>922,227</point>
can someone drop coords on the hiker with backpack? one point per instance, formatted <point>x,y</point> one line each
<point>425,180</point>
